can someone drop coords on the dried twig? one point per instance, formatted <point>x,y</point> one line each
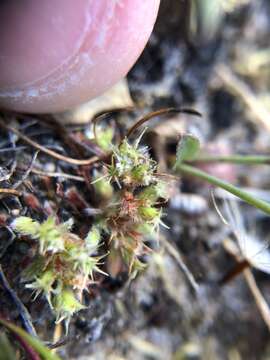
<point>76,146</point>
<point>262,305</point>
<point>27,172</point>
<point>14,192</point>
<point>6,177</point>
<point>8,242</point>
<point>24,314</point>
<point>240,89</point>
<point>47,151</point>
<point>106,115</point>
<point>259,299</point>
<point>175,254</point>
<point>60,343</point>
<point>11,149</point>
<point>57,174</point>
<point>154,114</point>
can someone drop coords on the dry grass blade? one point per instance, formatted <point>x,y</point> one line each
<point>261,303</point>
<point>240,89</point>
<point>10,192</point>
<point>175,254</point>
<point>259,299</point>
<point>145,348</point>
<point>154,114</point>
<point>57,174</point>
<point>27,172</point>
<point>11,149</point>
<point>24,314</point>
<point>49,152</point>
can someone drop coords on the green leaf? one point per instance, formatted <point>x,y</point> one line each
<point>36,344</point>
<point>187,149</point>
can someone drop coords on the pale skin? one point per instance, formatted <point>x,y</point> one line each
<point>56,54</point>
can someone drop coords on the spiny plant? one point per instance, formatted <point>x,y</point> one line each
<point>63,266</point>
<point>133,211</point>
<point>133,195</point>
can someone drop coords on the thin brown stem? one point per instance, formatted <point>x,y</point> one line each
<point>57,174</point>
<point>47,151</point>
<point>235,271</point>
<point>10,192</point>
<point>153,114</point>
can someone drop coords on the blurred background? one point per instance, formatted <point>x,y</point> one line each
<point>213,56</point>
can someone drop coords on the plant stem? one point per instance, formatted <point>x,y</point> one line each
<point>259,204</point>
<point>234,159</point>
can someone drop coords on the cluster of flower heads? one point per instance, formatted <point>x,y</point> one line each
<point>131,165</point>
<point>63,266</point>
<point>133,211</point>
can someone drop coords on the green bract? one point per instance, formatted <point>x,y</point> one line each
<point>132,165</point>
<point>26,226</point>
<point>153,192</point>
<point>65,305</point>
<point>44,284</point>
<point>132,214</point>
<point>64,265</point>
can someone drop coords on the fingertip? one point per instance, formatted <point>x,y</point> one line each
<point>57,54</point>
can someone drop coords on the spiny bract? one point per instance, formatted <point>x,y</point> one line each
<point>63,266</point>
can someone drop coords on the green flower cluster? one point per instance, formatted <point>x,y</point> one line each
<point>64,265</point>
<point>132,165</point>
<point>133,212</point>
